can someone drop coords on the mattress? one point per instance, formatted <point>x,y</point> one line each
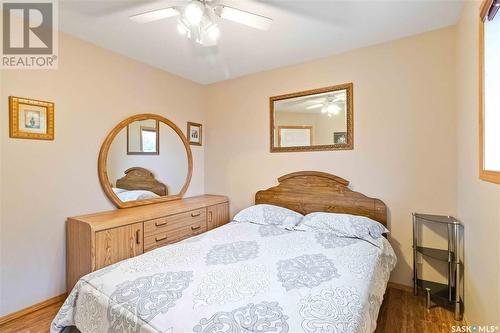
<point>241,277</point>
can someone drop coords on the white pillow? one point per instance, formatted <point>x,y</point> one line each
<point>118,190</point>
<point>269,214</point>
<point>344,225</point>
<point>136,195</point>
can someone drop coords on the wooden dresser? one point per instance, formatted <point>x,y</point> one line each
<point>97,240</point>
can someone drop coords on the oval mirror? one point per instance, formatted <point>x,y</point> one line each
<point>145,159</point>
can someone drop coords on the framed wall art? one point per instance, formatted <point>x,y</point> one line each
<point>31,119</point>
<point>194,133</point>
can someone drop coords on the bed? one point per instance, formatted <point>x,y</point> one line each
<point>139,184</point>
<point>131,195</point>
<point>247,277</point>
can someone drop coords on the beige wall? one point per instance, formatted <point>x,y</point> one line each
<point>404,131</point>
<point>44,182</point>
<point>478,201</point>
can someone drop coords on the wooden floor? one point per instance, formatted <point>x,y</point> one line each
<point>35,322</point>
<point>401,312</point>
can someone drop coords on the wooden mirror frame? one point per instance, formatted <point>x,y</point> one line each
<point>349,114</point>
<point>103,161</point>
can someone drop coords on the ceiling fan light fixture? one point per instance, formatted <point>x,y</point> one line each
<point>193,13</point>
<point>333,109</point>
<point>245,18</point>
<point>198,19</point>
<point>206,33</point>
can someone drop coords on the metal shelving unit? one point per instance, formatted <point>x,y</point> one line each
<point>448,295</point>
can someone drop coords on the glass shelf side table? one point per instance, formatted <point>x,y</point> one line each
<point>448,295</point>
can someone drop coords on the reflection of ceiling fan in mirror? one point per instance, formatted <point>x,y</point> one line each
<point>198,19</point>
<point>332,104</point>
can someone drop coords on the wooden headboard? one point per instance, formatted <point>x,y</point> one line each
<point>311,191</point>
<point>137,178</point>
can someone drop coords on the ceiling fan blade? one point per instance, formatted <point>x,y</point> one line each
<point>245,18</point>
<point>315,106</point>
<point>154,15</point>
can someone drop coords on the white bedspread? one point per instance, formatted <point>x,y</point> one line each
<point>135,195</point>
<point>241,277</point>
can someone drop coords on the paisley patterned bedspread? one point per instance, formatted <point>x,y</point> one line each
<point>241,277</point>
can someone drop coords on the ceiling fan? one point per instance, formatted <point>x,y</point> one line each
<point>332,104</point>
<point>198,19</point>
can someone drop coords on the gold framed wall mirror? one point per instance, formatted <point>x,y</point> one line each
<point>319,119</point>
<point>132,169</point>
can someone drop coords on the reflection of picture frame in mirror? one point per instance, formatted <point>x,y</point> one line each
<point>31,119</point>
<point>339,138</point>
<point>148,140</point>
<point>295,136</point>
<point>194,133</point>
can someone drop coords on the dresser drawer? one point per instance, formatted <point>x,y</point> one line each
<point>96,240</point>
<point>175,235</point>
<point>173,222</point>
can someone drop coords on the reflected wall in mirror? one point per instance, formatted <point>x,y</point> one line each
<point>134,171</point>
<point>143,137</point>
<point>320,119</point>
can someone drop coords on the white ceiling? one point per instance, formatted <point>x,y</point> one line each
<point>302,30</point>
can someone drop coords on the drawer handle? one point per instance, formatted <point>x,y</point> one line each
<point>195,214</point>
<point>161,238</point>
<point>159,224</point>
<point>137,235</point>
<point>195,228</point>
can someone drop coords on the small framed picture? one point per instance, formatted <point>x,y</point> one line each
<point>340,138</point>
<point>194,133</point>
<point>31,119</point>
